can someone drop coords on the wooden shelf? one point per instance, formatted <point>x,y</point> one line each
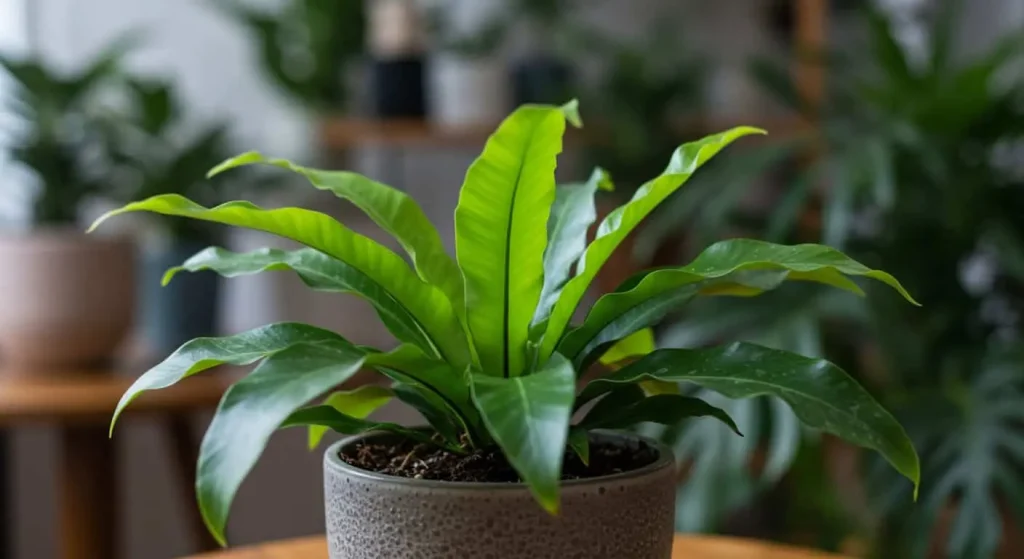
<point>342,133</point>
<point>92,396</point>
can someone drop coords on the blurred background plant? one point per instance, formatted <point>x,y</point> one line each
<point>912,167</point>
<point>644,92</point>
<point>307,47</point>
<point>58,131</point>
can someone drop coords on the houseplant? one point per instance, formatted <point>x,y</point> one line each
<point>307,47</point>
<point>488,357</point>
<point>59,284</point>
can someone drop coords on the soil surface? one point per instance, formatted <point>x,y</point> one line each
<point>410,459</point>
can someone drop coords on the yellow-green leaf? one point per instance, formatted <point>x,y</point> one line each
<point>391,209</point>
<point>318,231</point>
<point>501,232</point>
<point>358,403</point>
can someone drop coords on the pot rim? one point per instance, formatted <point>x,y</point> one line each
<point>332,459</point>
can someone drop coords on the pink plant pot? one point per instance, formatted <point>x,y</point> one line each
<point>66,299</point>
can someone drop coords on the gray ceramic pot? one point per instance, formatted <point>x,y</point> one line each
<point>623,516</point>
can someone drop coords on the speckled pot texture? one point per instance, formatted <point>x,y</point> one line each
<point>374,516</point>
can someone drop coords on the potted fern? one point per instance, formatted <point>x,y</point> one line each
<point>488,356</point>
<point>66,297</point>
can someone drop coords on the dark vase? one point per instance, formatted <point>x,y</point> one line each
<point>541,78</point>
<point>184,309</point>
<point>398,87</point>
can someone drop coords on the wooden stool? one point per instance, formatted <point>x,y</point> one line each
<point>686,547</point>
<point>80,405</point>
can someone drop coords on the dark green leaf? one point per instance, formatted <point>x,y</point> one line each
<point>665,409</point>
<point>821,394</point>
<point>204,353</point>
<point>738,267</point>
<point>253,408</point>
<point>579,442</point>
<point>432,407</point>
<point>328,417</point>
<point>528,417</point>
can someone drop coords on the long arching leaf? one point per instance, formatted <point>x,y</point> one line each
<point>820,393</point>
<point>393,210</point>
<point>501,231</point>
<point>253,408</point>
<point>620,222</point>
<point>528,417</point>
<point>732,267</point>
<point>205,353</point>
<point>318,231</point>
<point>320,272</point>
<point>572,214</point>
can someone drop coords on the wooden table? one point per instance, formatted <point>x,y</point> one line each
<point>687,547</point>
<point>79,405</point>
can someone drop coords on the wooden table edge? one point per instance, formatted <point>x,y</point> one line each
<point>710,547</point>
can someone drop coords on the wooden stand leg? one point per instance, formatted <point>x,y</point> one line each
<point>88,493</point>
<point>6,502</point>
<point>185,446</point>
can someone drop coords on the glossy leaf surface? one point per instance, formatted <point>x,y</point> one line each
<point>253,408</point>
<point>623,220</point>
<point>821,394</point>
<point>391,209</point>
<point>528,417</point>
<point>318,231</point>
<point>319,272</point>
<point>664,409</point>
<point>328,417</point>
<point>205,353</point>
<point>738,267</point>
<point>501,231</point>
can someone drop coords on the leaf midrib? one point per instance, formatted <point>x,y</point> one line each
<point>506,373</point>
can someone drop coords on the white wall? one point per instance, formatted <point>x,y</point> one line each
<point>13,40</point>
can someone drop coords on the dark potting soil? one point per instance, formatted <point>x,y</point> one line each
<point>410,459</point>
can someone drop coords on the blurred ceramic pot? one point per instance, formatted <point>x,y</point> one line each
<point>185,308</point>
<point>541,78</point>
<point>66,299</point>
<point>371,515</point>
<point>467,91</point>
